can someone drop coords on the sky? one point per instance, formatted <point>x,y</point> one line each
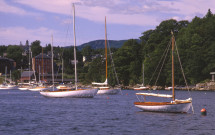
<point>31,20</point>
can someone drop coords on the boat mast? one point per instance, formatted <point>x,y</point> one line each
<point>6,74</point>
<point>52,63</point>
<point>62,69</point>
<point>39,75</point>
<point>143,74</point>
<point>106,46</point>
<point>173,85</point>
<point>74,45</point>
<point>29,64</point>
<point>42,65</point>
<point>10,77</point>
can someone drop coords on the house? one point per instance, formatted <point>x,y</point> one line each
<point>42,63</point>
<point>27,76</point>
<point>6,62</point>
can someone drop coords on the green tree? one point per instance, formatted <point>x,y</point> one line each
<point>128,61</point>
<point>87,52</point>
<point>3,49</point>
<point>15,52</point>
<point>36,48</point>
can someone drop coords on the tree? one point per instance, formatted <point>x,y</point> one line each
<point>3,49</point>
<point>128,61</point>
<point>15,52</point>
<point>87,52</point>
<point>36,48</point>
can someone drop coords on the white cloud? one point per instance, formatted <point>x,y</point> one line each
<point>143,13</point>
<point>189,8</point>
<point>11,9</point>
<point>14,35</point>
<point>6,8</point>
<point>129,12</point>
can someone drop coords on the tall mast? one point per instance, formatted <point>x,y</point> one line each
<point>29,64</point>
<point>6,74</point>
<point>173,82</point>
<point>143,74</point>
<point>42,65</point>
<point>62,69</point>
<point>39,74</point>
<point>10,77</point>
<point>52,63</point>
<point>106,46</point>
<point>74,45</point>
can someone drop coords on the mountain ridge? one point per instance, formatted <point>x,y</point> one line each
<point>98,44</point>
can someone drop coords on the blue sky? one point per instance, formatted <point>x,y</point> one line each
<point>22,20</point>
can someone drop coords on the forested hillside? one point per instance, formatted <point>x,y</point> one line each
<point>195,42</point>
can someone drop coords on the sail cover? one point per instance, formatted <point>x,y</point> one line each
<point>104,83</point>
<point>155,95</point>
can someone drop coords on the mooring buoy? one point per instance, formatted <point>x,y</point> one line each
<point>203,111</point>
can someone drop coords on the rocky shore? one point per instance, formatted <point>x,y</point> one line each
<point>199,86</point>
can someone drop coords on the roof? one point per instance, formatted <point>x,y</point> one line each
<point>4,58</point>
<point>212,73</point>
<point>44,56</point>
<point>26,73</point>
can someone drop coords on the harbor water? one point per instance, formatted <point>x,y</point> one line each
<point>26,112</point>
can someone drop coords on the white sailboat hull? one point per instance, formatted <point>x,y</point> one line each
<point>168,108</point>
<point>80,93</point>
<point>141,88</point>
<point>8,87</point>
<point>108,91</point>
<point>38,88</point>
<point>23,88</point>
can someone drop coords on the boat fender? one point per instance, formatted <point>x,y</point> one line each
<point>203,111</point>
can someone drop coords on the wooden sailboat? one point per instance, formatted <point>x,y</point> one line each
<point>142,87</point>
<point>76,92</point>
<point>174,106</point>
<point>103,87</point>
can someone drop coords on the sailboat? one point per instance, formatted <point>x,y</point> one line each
<point>174,106</point>
<point>103,87</point>
<point>76,92</point>
<point>142,87</point>
<point>21,85</point>
<point>5,85</point>
<point>62,85</point>
<point>29,85</point>
<point>39,86</point>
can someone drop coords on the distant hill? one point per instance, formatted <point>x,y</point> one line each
<point>97,44</point>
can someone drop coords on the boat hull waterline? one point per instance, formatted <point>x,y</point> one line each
<point>80,93</point>
<point>167,107</point>
<point>108,91</point>
<point>37,88</point>
<point>23,88</point>
<point>8,87</point>
<point>141,88</point>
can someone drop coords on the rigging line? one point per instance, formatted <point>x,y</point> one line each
<point>166,51</point>
<point>184,76</point>
<point>182,69</point>
<point>112,63</point>
<point>158,65</point>
<point>67,35</point>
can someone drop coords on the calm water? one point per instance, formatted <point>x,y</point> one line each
<point>26,112</point>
